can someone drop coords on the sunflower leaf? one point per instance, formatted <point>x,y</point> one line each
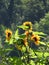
<point>11,41</point>
<point>39,33</point>
<point>23,27</point>
<point>22,36</point>
<point>42,43</point>
<point>16,33</point>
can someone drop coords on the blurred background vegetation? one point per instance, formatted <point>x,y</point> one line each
<point>15,12</point>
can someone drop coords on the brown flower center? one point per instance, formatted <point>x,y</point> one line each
<point>35,38</point>
<point>9,34</point>
<point>28,25</point>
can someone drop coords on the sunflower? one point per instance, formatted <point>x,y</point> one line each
<point>29,24</point>
<point>36,39</point>
<point>8,33</point>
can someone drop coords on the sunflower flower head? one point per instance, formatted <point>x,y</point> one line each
<point>29,24</point>
<point>36,39</point>
<point>8,33</point>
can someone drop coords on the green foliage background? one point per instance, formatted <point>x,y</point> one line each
<point>18,11</point>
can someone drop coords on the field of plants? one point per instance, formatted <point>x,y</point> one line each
<point>29,48</point>
<point>24,32</point>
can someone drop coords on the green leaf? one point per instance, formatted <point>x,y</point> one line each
<point>39,33</point>
<point>11,41</point>
<point>6,41</point>
<point>39,54</point>
<point>18,61</point>
<point>8,49</point>
<point>23,49</point>
<point>22,36</point>
<point>32,54</point>
<point>23,27</point>
<point>46,54</point>
<point>16,33</point>
<point>48,44</point>
<point>42,43</point>
<point>32,62</point>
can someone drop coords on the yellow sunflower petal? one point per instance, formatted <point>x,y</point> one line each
<point>26,33</point>
<point>37,42</point>
<point>25,42</point>
<point>36,39</point>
